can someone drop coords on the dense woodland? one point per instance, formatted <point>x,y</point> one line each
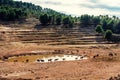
<point>16,10</point>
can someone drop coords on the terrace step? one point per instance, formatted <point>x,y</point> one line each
<point>50,36</point>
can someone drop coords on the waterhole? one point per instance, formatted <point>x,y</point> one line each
<point>46,58</point>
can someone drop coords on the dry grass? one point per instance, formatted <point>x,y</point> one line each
<point>100,68</point>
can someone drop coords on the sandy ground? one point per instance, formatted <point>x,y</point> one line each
<point>91,69</point>
<point>73,70</point>
<point>101,67</point>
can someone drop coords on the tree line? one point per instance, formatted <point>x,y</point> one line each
<point>14,10</point>
<point>57,19</point>
<point>108,26</point>
<point>8,14</point>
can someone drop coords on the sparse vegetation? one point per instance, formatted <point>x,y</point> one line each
<point>31,35</point>
<point>15,10</point>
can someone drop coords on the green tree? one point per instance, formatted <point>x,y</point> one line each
<point>104,24</point>
<point>49,19</point>
<point>99,29</point>
<point>110,24</point>
<point>3,14</point>
<point>53,19</point>
<point>11,15</point>
<point>108,35</point>
<point>44,19</point>
<point>117,27</point>
<point>71,22</point>
<point>66,21</point>
<point>58,20</point>
<point>96,20</point>
<point>85,19</point>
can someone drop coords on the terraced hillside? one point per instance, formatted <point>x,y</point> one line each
<point>53,36</point>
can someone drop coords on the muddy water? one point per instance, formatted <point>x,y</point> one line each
<point>61,58</point>
<point>46,58</point>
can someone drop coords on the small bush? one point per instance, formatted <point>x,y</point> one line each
<point>108,35</point>
<point>99,29</point>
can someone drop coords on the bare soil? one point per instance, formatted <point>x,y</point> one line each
<point>100,65</point>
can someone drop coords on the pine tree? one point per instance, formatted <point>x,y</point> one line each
<point>99,29</point>
<point>108,35</point>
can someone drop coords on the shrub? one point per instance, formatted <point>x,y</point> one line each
<point>108,35</point>
<point>99,29</point>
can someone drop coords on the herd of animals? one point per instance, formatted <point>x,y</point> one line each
<point>69,54</point>
<point>62,58</point>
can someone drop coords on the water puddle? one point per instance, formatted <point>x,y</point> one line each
<point>61,58</point>
<point>46,58</point>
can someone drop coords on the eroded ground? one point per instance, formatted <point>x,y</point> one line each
<point>103,58</point>
<point>101,67</point>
